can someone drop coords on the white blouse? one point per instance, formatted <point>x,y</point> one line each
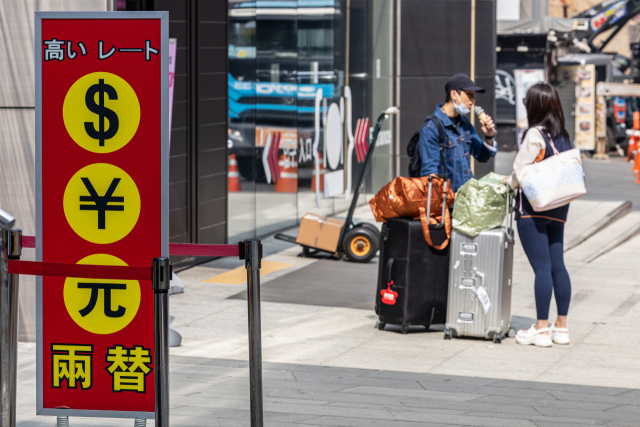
<point>533,146</point>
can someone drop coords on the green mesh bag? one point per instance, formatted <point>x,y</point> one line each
<point>480,205</point>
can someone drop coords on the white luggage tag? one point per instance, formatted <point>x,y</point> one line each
<point>481,292</point>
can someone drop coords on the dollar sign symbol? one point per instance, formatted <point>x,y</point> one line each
<point>101,88</point>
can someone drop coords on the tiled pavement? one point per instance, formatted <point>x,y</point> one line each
<point>207,389</point>
<point>215,392</point>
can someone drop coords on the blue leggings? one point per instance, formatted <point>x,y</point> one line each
<point>542,240</point>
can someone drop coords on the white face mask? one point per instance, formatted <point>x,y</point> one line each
<point>462,109</point>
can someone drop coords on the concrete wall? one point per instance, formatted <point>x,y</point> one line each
<point>17,127</point>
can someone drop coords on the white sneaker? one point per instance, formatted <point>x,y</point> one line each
<point>559,335</point>
<point>534,336</point>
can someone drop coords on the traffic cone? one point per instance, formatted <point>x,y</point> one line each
<point>288,182</point>
<point>636,162</point>
<point>313,175</point>
<point>636,167</point>
<point>234,175</point>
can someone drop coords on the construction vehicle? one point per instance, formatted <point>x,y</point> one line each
<point>569,50</point>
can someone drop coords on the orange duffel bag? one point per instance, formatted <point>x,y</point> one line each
<point>409,198</point>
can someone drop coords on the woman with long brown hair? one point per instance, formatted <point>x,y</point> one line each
<point>542,233</point>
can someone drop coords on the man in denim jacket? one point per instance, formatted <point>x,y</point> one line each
<point>461,138</point>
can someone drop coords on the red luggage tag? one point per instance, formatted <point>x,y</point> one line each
<point>389,296</point>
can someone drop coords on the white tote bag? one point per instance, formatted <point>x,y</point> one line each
<point>553,182</point>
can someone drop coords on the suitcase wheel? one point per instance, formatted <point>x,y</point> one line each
<point>404,329</point>
<point>447,334</point>
<point>497,338</point>
<point>511,333</point>
<point>381,326</point>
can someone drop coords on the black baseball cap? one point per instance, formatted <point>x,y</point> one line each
<point>462,82</point>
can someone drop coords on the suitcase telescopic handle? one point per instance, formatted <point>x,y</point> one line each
<point>509,203</point>
<point>444,197</point>
<point>429,198</point>
<point>389,265</point>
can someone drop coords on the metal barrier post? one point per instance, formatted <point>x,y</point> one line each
<point>14,252</point>
<point>253,261</point>
<point>6,349</point>
<point>160,285</point>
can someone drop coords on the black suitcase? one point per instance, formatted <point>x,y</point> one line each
<point>420,275</point>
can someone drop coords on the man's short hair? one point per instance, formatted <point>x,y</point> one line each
<point>447,97</point>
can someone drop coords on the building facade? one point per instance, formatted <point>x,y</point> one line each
<point>262,89</point>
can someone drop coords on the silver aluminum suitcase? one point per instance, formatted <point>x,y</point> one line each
<point>480,273</point>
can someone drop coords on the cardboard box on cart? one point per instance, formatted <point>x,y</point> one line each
<point>320,232</point>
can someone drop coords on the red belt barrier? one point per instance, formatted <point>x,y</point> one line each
<point>28,241</point>
<point>185,249</point>
<point>116,272</point>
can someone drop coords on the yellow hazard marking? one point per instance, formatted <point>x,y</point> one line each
<point>101,112</point>
<point>238,276</point>
<point>101,306</point>
<point>101,203</point>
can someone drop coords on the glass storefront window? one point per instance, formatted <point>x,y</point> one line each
<point>292,91</point>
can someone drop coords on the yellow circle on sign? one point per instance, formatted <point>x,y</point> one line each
<point>101,112</point>
<point>101,203</point>
<point>101,306</point>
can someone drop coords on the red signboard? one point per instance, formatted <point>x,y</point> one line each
<point>102,198</point>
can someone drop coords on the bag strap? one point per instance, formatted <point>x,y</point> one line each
<point>553,147</point>
<point>425,215</point>
<point>441,135</point>
<point>426,221</point>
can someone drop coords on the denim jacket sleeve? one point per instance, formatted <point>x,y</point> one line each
<point>429,149</point>
<point>481,151</point>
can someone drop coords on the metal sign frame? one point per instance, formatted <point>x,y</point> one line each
<point>164,52</point>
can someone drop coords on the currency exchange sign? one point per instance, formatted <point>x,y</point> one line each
<point>102,199</point>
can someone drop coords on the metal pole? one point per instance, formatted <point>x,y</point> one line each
<point>14,252</point>
<point>6,222</point>
<point>160,285</point>
<point>5,336</point>
<point>253,261</point>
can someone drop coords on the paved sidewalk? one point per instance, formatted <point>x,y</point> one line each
<point>215,392</point>
<point>603,315</point>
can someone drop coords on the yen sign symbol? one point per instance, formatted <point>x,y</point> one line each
<point>101,203</point>
<point>99,192</point>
